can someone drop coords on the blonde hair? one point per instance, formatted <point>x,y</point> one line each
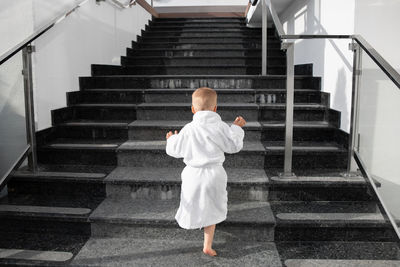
<point>204,98</point>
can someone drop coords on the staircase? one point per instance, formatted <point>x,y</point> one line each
<point>106,193</point>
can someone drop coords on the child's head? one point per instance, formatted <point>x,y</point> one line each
<point>204,98</point>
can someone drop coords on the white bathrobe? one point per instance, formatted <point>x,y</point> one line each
<point>202,144</point>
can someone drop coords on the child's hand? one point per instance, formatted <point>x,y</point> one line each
<point>169,134</point>
<point>239,121</point>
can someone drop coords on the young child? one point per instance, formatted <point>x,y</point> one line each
<point>202,144</point>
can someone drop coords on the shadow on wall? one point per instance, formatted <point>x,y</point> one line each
<point>340,96</point>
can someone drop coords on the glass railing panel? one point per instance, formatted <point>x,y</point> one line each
<point>12,113</point>
<point>379,131</point>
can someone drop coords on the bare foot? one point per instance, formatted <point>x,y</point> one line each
<point>209,251</point>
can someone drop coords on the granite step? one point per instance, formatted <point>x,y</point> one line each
<point>304,131</point>
<point>271,96</point>
<point>100,70</point>
<point>222,24</point>
<point>182,111</point>
<point>199,39</point>
<point>79,152</point>
<point>198,60</point>
<point>83,186</point>
<point>203,33</point>
<point>339,263</point>
<point>333,227</point>
<point>127,251</point>
<point>220,28</point>
<point>196,81</point>
<point>203,51</point>
<point>152,153</point>
<point>165,183</point>
<point>148,130</point>
<point>320,188</point>
<point>100,112</point>
<point>190,47</point>
<point>337,250</point>
<point>324,206</point>
<point>92,130</point>
<point>33,257</point>
<point>131,96</point>
<point>44,219</point>
<point>140,218</point>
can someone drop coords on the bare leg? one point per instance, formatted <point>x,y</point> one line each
<point>208,239</point>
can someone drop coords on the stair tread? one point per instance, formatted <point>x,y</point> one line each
<point>95,123</point>
<point>319,180</point>
<point>160,145</point>
<point>118,105</point>
<point>195,57</point>
<point>57,175</point>
<point>126,175</point>
<point>197,48</point>
<point>174,252</point>
<point>303,146</point>
<point>83,144</point>
<point>196,66</point>
<point>124,210</point>
<point>201,76</point>
<point>164,124</point>
<point>6,209</point>
<point>34,255</point>
<point>298,124</point>
<point>220,105</point>
<point>323,206</point>
<point>340,263</point>
<point>331,217</point>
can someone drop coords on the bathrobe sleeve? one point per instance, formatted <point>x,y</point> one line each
<point>232,140</point>
<point>176,144</point>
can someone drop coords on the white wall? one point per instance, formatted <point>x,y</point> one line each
<point>331,58</point>
<point>199,2</point>
<point>95,34</point>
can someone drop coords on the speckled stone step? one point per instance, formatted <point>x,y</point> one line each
<point>320,188</point>
<point>202,33</point>
<point>338,250</point>
<point>228,69</point>
<point>334,227</point>
<point>324,206</point>
<point>79,152</point>
<point>164,183</point>
<point>182,111</point>
<point>196,81</point>
<point>42,211</point>
<point>193,50</point>
<point>152,153</point>
<point>141,218</point>
<point>32,257</point>
<point>199,39</point>
<point>127,251</point>
<point>340,263</point>
<point>156,129</point>
<point>71,184</point>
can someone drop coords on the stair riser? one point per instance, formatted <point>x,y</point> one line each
<point>77,157</point>
<point>298,115</point>
<point>188,70</point>
<point>182,29</point>
<point>302,134</point>
<point>208,52</point>
<point>187,97</point>
<point>172,232</point>
<point>249,39</point>
<point>26,224</point>
<point>173,190</point>
<point>319,193</point>
<point>56,188</point>
<point>132,61</point>
<point>92,133</point>
<point>194,82</point>
<point>210,44</point>
<point>309,161</point>
<point>186,114</point>
<point>209,24</point>
<point>239,34</point>
<point>300,97</point>
<point>148,134</point>
<point>159,159</point>
<point>321,207</point>
<point>93,97</point>
<point>94,113</point>
<point>340,233</point>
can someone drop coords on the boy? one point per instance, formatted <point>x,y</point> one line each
<point>202,144</point>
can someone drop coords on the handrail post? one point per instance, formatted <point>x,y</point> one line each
<point>264,38</point>
<point>29,105</point>
<point>353,138</point>
<point>287,170</point>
